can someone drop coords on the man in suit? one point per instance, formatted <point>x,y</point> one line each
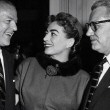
<point>99,33</point>
<point>8,20</point>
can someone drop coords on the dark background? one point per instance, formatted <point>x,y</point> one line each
<point>32,16</point>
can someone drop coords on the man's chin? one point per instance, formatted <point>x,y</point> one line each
<point>5,44</point>
<point>96,49</point>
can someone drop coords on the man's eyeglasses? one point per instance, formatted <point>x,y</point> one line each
<point>93,25</point>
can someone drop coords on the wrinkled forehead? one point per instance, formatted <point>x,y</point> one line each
<point>98,14</point>
<point>8,9</point>
<point>6,6</point>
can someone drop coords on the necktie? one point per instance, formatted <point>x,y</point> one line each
<point>94,81</point>
<point>2,84</point>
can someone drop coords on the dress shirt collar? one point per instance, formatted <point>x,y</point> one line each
<point>0,53</point>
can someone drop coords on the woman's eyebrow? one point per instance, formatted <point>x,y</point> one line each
<point>54,30</point>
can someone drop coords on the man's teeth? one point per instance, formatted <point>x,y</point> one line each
<point>48,45</point>
<point>10,34</point>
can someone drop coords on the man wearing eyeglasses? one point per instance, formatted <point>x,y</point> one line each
<point>98,29</point>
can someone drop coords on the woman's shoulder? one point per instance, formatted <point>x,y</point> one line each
<point>29,60</point>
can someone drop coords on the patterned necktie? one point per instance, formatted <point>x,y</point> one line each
<point>2,84</point>
<point>94,81</point>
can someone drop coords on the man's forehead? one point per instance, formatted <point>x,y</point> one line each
<point>4,6</point>
<point>8,11</point>
<point>98,14</point>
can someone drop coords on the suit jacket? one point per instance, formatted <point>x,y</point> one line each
<point>101,97</point>
<point>9,75</point>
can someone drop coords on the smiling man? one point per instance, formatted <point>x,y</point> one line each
<point>8,20</point>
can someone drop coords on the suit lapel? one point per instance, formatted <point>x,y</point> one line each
<point>105,82</point>
<point>8,64</point>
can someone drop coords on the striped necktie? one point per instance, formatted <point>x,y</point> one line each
<point>94,81</point>
<point>2,84</point>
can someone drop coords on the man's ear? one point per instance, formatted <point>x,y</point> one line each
<point>70,42</point>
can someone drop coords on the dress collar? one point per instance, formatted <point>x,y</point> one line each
<point>56,68</point>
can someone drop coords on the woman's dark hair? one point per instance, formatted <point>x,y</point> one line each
<point>71,26</point>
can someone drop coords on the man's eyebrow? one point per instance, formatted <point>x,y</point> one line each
<point>54,30</point>
<point>11,18</point>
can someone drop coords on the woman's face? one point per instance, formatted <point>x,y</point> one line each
<point>56,42</point>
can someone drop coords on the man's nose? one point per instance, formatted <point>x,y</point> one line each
<point>89,32</point>
<point>14,26</point>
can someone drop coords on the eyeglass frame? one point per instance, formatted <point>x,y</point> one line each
<point>93,24</point>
